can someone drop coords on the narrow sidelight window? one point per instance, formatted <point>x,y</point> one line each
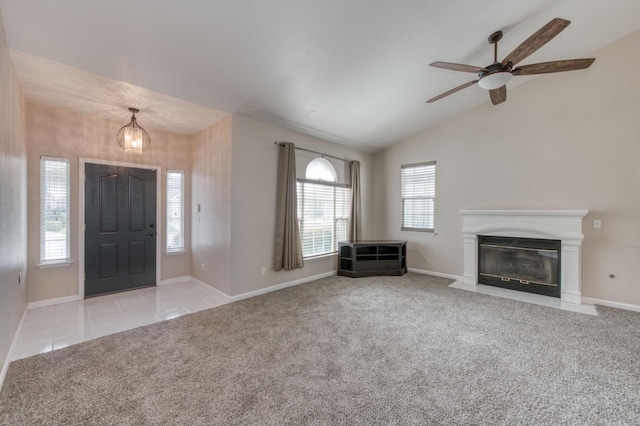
<point>418,196</point>
<point>175,211</point>
<point>54,210</point>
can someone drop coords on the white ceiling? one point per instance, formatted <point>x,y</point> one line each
<point>361,65</point>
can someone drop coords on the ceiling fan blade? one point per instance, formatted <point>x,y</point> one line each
<point>452,91</point>
<point>537,40</point>
<point>457,67</point>
<point>554,66</point>
<point>498,95</point>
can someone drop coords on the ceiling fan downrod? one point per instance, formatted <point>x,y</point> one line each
<point>494,39</point>
<point>495,75</point>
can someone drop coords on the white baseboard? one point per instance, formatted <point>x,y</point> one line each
<point>281,286</point>
<point>436,274</point>
<point>56,301</point>
<point>12,348</point>
<point>175,280</point>
<point>66,299</point>
<point>210,287</point>
<point>625,306</point>
<point>266,289</point>
<point>584,300</point>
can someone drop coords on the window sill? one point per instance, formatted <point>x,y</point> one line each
<point>171,253</point>
<point>320,256</point>
<point>54,264</point>
<point>418,230</point>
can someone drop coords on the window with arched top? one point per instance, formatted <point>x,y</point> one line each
<point>321,169</point>
<point>323,209</point>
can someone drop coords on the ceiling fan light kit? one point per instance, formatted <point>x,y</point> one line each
<point>495,76</point>
<point>494,80</point>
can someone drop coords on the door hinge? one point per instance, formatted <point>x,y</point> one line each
<point>85,276</point>
<point>85,226</point>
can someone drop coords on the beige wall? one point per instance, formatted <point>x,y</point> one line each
<point>61,133</point>
<point>211,189</point>
<point>253,183</point>
<point>562,141</point>
<point>13,201</point>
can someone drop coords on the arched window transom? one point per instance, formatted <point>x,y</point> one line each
<point>321,169</point>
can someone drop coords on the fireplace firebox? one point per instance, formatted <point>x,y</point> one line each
<point>524,264</point>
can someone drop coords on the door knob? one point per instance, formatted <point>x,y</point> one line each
<point>152,234</point>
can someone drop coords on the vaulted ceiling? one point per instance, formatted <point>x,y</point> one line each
<point>350,71</point>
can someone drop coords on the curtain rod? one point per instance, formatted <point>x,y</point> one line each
<point>316,152</point>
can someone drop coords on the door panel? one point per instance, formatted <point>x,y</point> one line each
<point>136,209</point>
<point>136,257</point>
<point>108,206</point>
<point>120,236</point>
<point>108,263</point>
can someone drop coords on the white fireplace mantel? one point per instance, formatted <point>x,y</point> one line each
<point>563,225</point>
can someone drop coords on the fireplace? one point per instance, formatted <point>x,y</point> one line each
<point>524,264</point>
<point>563,226</point>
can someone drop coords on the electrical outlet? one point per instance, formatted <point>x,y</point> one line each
<point>202,266</point>
<point>264,271</point>
<point>597,223</point>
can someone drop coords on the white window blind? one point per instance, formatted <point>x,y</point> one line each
<point>175,211</point>
<point>418,196</point>
<point>323,209</point>
<point>323,212</point>
<point>54,210</point>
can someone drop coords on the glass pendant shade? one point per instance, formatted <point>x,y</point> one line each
<point>494,80</point>
<point>133,138</point>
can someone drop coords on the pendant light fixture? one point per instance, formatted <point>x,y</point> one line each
<point>133,138</point>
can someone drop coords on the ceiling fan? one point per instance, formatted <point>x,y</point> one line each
<point>495,76</point>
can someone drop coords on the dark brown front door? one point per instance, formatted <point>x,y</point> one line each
<point>120,235</point>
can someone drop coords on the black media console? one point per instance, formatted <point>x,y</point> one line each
<point>369,258</point>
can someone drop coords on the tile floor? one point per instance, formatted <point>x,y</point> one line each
<point>54,327</point>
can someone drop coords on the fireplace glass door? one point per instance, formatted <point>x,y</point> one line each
<point>525,264</point>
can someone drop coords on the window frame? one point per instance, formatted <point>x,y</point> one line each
<point>421,197</point>
<point>332,171</point>
<point>300,208</point>
<point>182,249</point>
<point>44,261</point>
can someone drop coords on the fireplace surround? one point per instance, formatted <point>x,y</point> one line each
<point>562,225</point>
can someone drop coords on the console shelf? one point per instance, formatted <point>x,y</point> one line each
<point>370,258</point>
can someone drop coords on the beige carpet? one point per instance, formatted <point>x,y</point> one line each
<point>385,350</point>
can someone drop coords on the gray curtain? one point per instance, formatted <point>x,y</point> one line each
<point>355,212</point>
<point>288,250</point>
